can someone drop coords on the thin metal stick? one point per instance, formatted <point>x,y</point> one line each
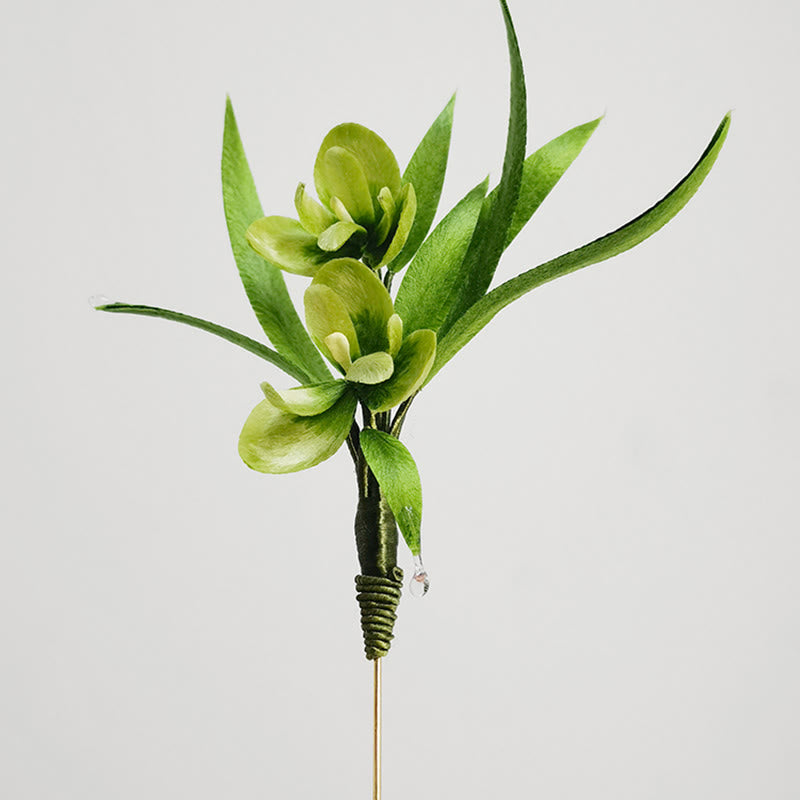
<point>376,731</point>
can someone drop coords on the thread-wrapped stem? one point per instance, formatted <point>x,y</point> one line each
<point>378,598</point>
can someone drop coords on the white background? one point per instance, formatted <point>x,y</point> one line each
<point>609,469</point>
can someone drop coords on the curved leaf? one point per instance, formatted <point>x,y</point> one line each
<point>398,477</point>
<point>491,232</point>
<point>426,171</point>
<point>542,170</point>
<point>618,241</point>
<point>239,339</point>
<point>263,282</point>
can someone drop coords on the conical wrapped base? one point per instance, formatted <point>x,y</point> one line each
<point>378,598</point>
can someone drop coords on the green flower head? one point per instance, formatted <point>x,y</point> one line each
<point>365,211</point>
<point>352,320</point>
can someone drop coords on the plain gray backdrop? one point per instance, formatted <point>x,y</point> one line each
<point>610,469</point>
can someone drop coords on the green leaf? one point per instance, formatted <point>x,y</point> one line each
<point>433,279</point>
<point>305,401</point>
<point>239,339</point>
<point>283,241</point>
<point>618,241</point>
<point>426,172</point>
<point>542,170</point>
<point>398,477</point>
<point>490,237</point>
<point>275,441</point>
<point>263,282</point>
<point>411,366</point>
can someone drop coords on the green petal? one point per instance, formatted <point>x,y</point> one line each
<point>371,369</point>
<point>389,209</point>
<point>339,174</point>
<point>314,217</point>
<point>335,237</point>
<point>305,401</point>
<point>398,477</point>
<point>376,159</point>
<point>408,209</point>
<point>326,313</point>
<point>285,243</point>
<point>411,367</point>
<point>394,330</point>
<point>364,296</point>
<point>275,441</point>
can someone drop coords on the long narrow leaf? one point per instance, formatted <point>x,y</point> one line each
<point>245,342</point>
<point>263,282</point>
<point>397,475</point>
<point>431,284</point>
<point>426,172</point>
<point>542,171</point>
<point>490,236</point>
<point>618,241</point>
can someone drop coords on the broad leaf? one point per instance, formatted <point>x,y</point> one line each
<point>425,171</point>
<point>275,441</point>
<point>618,241</point>
<point>239,339</point>
<point>491,233</point>
<point>433,279</point>
<point>262,281</point>
<point>398,477</point>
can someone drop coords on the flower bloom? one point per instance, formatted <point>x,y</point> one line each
<point>351,318</point>
<point>364,209</point>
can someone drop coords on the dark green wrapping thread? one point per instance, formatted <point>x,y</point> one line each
<point>378,598</point>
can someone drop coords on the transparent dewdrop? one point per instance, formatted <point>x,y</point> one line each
<point>97,300</point>
<point>419,583</point>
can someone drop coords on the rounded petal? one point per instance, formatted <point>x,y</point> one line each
<point>326,313</point>
<point>376,159</point>
<point>337,235</point>
<point>313,217</point>
<point>365,298</point>
<point>371,369</point>
<point>408,210</point>
<point>338,173</point>
<point>285,243</point>
<point>305,401</point>
<point>276,441</point>
<point>411,366</point>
